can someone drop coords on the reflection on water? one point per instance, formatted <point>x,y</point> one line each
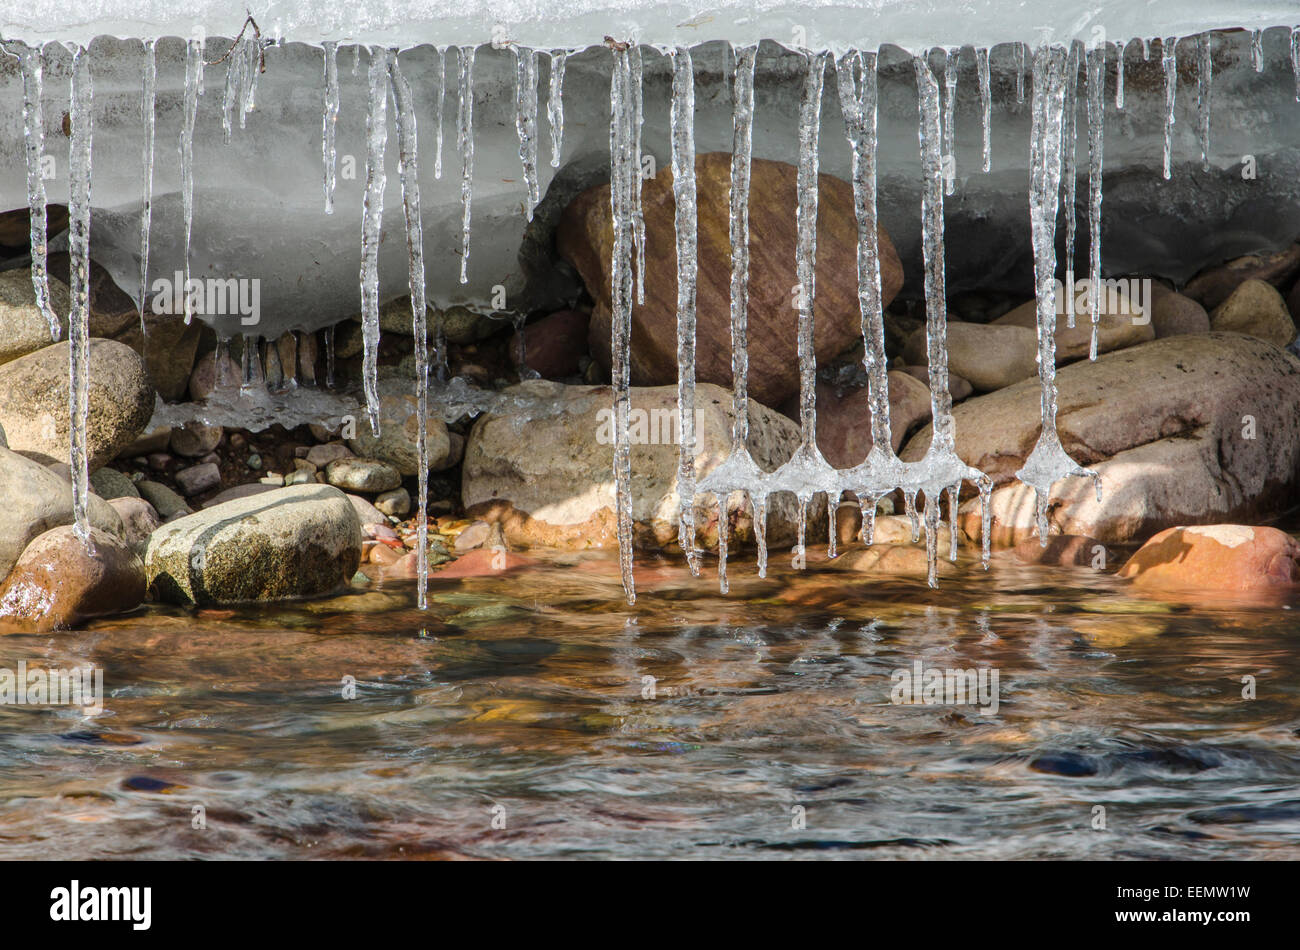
<point>525,699</point>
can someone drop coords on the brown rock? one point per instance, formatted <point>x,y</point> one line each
<point>959,387</point>
<point>844,417</point>
<point>209,372</point>
<point>553,345</point>
<point>195,439</point>
<point>1215,284</point>
<point>1062,550</point>
<point>1173,314</point>
<point>1121,324</point>
<point>1256,308</point>
<point>585,237</point>
<point>139,519</point>
<point>990,355</point>
<point>1218,557</point>
<point>58,582</point>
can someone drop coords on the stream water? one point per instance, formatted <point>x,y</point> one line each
<point>514,719</point>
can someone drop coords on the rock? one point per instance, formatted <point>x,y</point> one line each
<point>34,500</point>
<point>322,455</point>
<point>481,562</point>
<point>844,417</point>
<point>553,345</point>
<point>241,491</point>
<point>958,386</point>
<point>209,372</point>
<point>295,542</point>
<point>1217,557</point>
<point>473,537</point>
<point>151,443</point>
<point>23,328</point>
<point>1173,314</point>
<point>109,483</point>
<point>1063,550</point>
<point>989,355</point>
<point>549,479</point>
<point>396,502</point>
<point>1121,324</point>
<point>455,452</point>
<point>197,479</point>
<point>139,519</point>
<point>361,474</point>
<point>584,239</point>
<point>165,501</point>
<point>461,325</point>
<point>1215,284</point>
<point>1184,430</point>
<point>58,583</point>
<point>307,356</point>
<point>300,477</point>
<point>367,513</point>
<point>195,439</point>
<point>398,431</point>
<point>34,401</point>
<point>159,461</point>
<point>905,559</point>
<point>1258,309</point>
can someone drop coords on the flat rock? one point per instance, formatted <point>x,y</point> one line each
<point>1062,550</point>
<point>1121,323</point>
<point>990,355</point>
<point>197,479</point>
<point>362,475</point>
<point>165,501</point>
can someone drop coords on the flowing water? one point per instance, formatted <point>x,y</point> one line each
<point>522,698</point>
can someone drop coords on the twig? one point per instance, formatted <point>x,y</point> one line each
<point>257,33</point>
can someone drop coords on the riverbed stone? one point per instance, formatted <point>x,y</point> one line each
<point>585,236</point>
<point>59,581</point>
<point>197,479</point>
<point>300,541</point>
<point>34,401</point>
<point>1173,314</point>
<point>195,439</point>
<point>1185,430</point>
<point>990,355</point>
<point>553,345</point>
<point>139,519</point>
<point>1213,285</point>
<point>109,483</point>
<point>396,502</point>
<point>1121,323</point>
<point>844,417</point>
<point>362,475</point>
<point>23,328</point>
<point>1256,307</point>
<point>167,503</point>
<point>399,430</point>
<point>33,499</point>
<point>1216,557</point>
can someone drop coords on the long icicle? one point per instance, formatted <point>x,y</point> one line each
<point>1295,59</point>
<point>1020,72</point>
<point>193,83</point>
<point>986,104</point>
<point>329,122</point>
<point>684,201</point>
<point>1257,50</point>
<point>526,122</point>
<point>622,172</point>
<point>408,170</point>
<point>555,105</point>
<point>1204,74</point>
<point>637,93</point>
<point>1120,46</point>
<point>372,222</point>
<point>148,113</point>
<point>34,141</point>
<point>82,118</point>
<point>1169,60</point>
<point>438,109</point>
<point>1096,125</point>
<point>951,60</point>
<point>465,141</point>
<point>1069,171</point>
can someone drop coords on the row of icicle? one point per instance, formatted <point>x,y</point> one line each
<point>1055,71</point>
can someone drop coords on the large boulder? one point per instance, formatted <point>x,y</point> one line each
<point>60,581</point>
<point>585,238</point>
<point>33,500</point>
<point>549,479</point>
<point>1120,323</point>
<point>34,402</point>
<point>300,541</point>
<point>990,356</point>
<point>1217,557</point>
<point>1185,430</point>
<point>23,328</point>
<point>398,430</point>
<point>844,417</point>
<point>1255,307</point>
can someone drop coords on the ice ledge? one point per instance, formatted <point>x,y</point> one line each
<point>570,24</point>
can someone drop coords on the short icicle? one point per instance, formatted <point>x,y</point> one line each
<point>1295,59</point>
<point>1069,171</point>
<point>1204,75</point>
<point>1120,46</point>
<point>951,59</point>
<point>438,110</point>
<point>372,222</point>
<point>1169,60</point>
<point>986,104</point>
<point>465,141</point>
<point>1257,50</point>
<point>555,104</point>
<point>33,62</point>
<point>81,97</point>
<point>637,92</point>
<point>526,123</point>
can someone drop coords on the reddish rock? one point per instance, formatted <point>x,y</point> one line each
<point>958,386</point>
<point>1062,550</point>
<point>57,583</point>
<point>553,345</point>
<point>1218,557</point>
<point>585,238</point>
<point>844,417</point>
<point>1173,314</point>
<point>1215,284</point>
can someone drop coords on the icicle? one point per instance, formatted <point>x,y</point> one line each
<point>624,179</point>
<point>231,94</point>
<point>148,113</point>
<point>193,80</point>
<point>1020,72</point>
<point>356,58</point>
<point>1205,70</point>
<point>329,120</point>
<point>526,122</point>
<point>950,62</point>
<point>329,357</point>
<point>1096,124</point>
<point>1048,461</point>
<point>82,117</point>
<point>465,141</point>
<point>438,110</point>
<point>760,532</point>
<point>986,104</point>
<point>683,166</point>
<point>372,222</point>
<point>1169,59</point>
<point>1069,173</point>
<point>1120,46</point>
<point>724,529</point>
<point>408,170</point>
<point>954,494</point>
<point>832,511</point>
<point>250,359</point>
<point>1146,48</point>
<point>252,68</point>
<point>34,141</point>
<point>555,105</point>
<point>1257,50</point>
<point>1295,59</point>
<point>638,215</point>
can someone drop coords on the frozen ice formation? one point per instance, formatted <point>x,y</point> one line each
<point>227,184</point>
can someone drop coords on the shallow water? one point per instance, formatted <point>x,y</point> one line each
<point>519,699</point>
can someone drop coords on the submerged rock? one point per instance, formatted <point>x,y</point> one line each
<point>1184,430</point>
<point>584,239</point>
<point>1216,557</point>
<point>34,401</point>
<point>300,541</point>
<point>59,582</point>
